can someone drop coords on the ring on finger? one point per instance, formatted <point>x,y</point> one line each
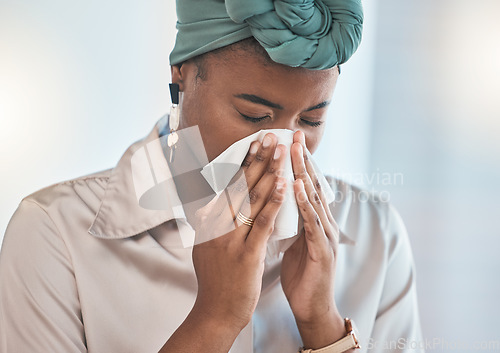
<point>245,220</point>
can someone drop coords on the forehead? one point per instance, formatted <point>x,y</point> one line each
<point>247,69</point>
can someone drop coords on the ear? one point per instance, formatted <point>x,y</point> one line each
<point>178,74</point>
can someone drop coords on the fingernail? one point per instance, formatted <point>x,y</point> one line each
<point>267,141</point>
<point>254,147</point>
<point>277,153</point>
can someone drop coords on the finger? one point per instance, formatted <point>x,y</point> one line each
<point>317,243</point>
<point>300,137</point>
<point>258,166</point>
<point>238,183</point>
<point>263,225</point>
<point>332,230</point>
<point>252,151</point>
<point>331,227</point>
<point>252,174</point>
<point>300,172</point>
<point>259,195</point>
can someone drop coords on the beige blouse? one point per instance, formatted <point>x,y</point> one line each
<point>84,268</point>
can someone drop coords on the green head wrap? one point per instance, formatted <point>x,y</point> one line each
<point>315,34</point>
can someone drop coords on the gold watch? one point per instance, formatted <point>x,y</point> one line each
<point>349,341</point>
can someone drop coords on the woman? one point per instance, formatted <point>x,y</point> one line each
<point>85,267</point>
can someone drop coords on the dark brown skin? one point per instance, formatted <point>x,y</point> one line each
<point>211,103</point>
<point>226,301</point>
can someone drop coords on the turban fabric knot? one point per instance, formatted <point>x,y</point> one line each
<point>315,34</point>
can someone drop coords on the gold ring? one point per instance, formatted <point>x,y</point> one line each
<point>244,219</point>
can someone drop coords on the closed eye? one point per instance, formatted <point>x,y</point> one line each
<point>254,119</point>
<point>258,119</point>
<point>312,123</point>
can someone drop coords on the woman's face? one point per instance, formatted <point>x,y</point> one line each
<point>240,94</point>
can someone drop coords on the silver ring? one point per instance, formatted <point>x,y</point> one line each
<point>244,219</point>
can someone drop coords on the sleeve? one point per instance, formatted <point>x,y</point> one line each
<point>39,305</point>
<point>397,325</point>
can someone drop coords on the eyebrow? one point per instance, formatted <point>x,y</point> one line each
<point>259,100</point>
<point>318,106</point>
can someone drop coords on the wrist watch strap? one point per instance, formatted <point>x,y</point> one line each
<point>348,342</point>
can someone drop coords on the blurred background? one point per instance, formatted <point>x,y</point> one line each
<point>416,117</point>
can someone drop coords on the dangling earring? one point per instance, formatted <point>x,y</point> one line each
<point>173,119</point>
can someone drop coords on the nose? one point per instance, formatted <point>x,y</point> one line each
<point>285,123</point>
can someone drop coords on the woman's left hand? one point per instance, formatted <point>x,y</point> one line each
<point>309,265</point>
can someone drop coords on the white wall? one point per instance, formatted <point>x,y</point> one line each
<point>344,150</point>
<point>436,120</point>
<point>79,82</point>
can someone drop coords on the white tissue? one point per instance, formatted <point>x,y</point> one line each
<point>221,170</point>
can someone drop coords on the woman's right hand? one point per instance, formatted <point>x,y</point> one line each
<point>228,256</point>
<point>229,264</point>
